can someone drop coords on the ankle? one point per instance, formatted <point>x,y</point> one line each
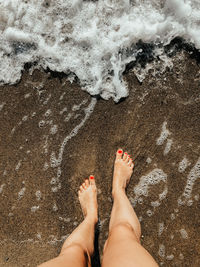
<point>91,218</point>
<point>117,191</point>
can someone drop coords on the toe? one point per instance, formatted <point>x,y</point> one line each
<point>132,165</point>
<point>130,162</point>
<point>81,188</point>
<point>119,153</point>
<point>87,183</point>
<point>125,156</point>
<point>84,185</point>
<point>92,180</point>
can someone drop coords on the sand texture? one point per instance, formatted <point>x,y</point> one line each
<point>53,135</point>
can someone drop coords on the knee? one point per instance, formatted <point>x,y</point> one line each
<point>124,229</point>
<point>72,249</point>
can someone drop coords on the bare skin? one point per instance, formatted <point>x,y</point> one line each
<point>79,246</point>
<point>123,247</point>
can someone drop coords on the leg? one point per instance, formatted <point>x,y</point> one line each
<point>123,248</point>
<point>79,246</point>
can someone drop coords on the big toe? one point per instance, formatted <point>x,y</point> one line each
<point>119,153</point>
<point>92,180</point>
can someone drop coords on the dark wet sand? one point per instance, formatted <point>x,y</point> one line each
<point>29,237</point>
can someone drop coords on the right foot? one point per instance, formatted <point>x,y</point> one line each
<point>88,199</point>
<point>123,169</point>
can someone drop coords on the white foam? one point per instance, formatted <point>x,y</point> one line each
<point>47,113</point>
<point>154,177</point>
<point>183,165</point>
<point>148,160</point>
<point>64,219</point>
<point>39,236</point>
<point>2,105</point>
<point>93,39</point>
<point>63,110</point>
<point>161,251</point>
<point>168,146</point>
<point>21,193</point>
<point>18,165</point>
<point>163,135</point>
<point>55,208</point>
<point>170,257</point>
<point>35,208</point>
<point>183,233</point>
<point>46,166</point>
<point>172,216</point>
<point>54,129</point>
<point>41,123</point>
<point>149,213</point>
<point>1,188</point>
<point>25,118</point>
<point>160,228</point>
<point>38,195</point>
<point>56,162</point>
<point>193,175</point>
<point>27,95</point>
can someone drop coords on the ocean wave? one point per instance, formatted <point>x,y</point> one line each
<point>92,40</point>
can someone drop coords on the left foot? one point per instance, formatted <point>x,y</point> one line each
<point>88,199</point>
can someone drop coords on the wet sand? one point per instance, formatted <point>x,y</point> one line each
<point>39,205</point>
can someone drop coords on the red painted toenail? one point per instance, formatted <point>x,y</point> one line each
<point>119,151</point>
<point>91,177</point>
<point>125,153</point>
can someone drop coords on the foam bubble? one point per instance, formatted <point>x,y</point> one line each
<point>18,165</point>
<point>35,208</point>
<point>149,213</point>
<point>38,195</point>
<point>164,134</point>
<point>183,233</point>
<point>168,146</point>
<point>55,208</point>
<point>154,177</point>
<point>1,188</point>
<point>21,193</point>
<point>63,110</point>
<point>161,251</point>
<point>95,40</point>
<point>54,129</point>
<point>41,123</point>
<point>39,236</point>
<point>47,113</point>
<point>148,160</point>
<point>27,95</point>
<point>193,175</point>
<point>183,165</point>
<point>25,118</point>
<point>170,257</point>
<point>2,105</point>
<point>160,228</point>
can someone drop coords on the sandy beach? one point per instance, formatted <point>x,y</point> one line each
<point>54,135</point>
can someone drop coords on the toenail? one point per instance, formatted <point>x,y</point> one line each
<point>91,177</point>
<point>125,153</point>
<point>119,151</point>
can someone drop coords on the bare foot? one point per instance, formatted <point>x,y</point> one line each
<point>88,199</point>
<point>123,169</point>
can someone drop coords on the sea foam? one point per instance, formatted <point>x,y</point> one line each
<point>93,40</point>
